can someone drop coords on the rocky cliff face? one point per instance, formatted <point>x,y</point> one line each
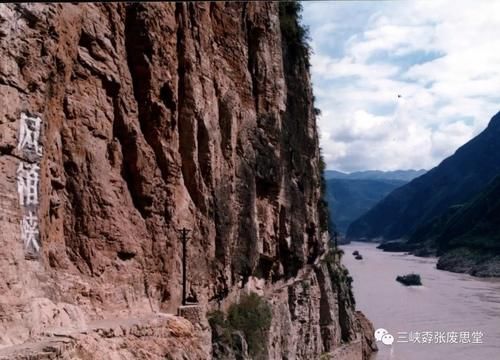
<point>156,117</point>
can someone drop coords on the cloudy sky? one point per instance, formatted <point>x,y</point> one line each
<point>442,57</point>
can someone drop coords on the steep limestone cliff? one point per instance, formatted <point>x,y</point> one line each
<point>156,117</point>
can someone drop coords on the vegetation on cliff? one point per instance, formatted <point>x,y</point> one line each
<point>325,218</point>
<point>294,34</point>
<point>339,275</point>
<point>474,224</point>
<point>296,53</point>
<point>468,236</point>
<point>251,317</point>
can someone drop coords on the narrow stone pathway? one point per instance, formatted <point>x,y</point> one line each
<point>58,343</point>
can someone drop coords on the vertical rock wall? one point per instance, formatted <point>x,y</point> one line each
<point>157,117</point>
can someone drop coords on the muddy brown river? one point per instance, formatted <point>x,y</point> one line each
<point>452,316</point>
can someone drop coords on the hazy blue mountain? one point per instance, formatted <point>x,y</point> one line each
<point>348,199</point>
<point>403,175</point>
<point>334,174</point>
<point>455,181</point>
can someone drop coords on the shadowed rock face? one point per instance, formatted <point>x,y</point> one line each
<point>156,117</point>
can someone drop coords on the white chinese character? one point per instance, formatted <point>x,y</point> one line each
<point>27,183</point>
<point>29,231</point>
<point>403,337</point>
<point>29,134</point>
<point>477,337</point>
<point>415,337</point>
<point>427,337</point>
<point>439,337</point>
<point>464,337</point>
<point>452,337</point>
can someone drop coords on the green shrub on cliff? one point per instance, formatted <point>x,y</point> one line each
<point>326,223</point>
<point>251,316</point>
<point>295,35</point>
<point>296,54</point>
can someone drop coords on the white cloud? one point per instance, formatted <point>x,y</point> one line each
<point>449,136</point>
<point>332,68</point>
<point>399,39</point>
<point>442,57</point>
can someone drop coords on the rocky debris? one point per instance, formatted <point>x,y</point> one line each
<point>46,349</point>
<point>196,314</point>
<point>159,336</point>
<point>155,117</point>
<point>350,351</point>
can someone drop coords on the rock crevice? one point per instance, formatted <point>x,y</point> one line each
<point>158,117</point>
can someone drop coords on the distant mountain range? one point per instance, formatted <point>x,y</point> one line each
<point>348,199</point>
<point>350,195</point>
<point>453,206</point>
<point>403,175</point>
<point>452,182</point>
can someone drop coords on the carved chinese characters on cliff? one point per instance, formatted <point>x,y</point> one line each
<point>29,232</point>
<point>28,178</point>
<point>27,183</point>
<point>29,134</point>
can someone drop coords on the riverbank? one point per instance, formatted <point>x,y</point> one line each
<point>473,262</point>
<point>465,260</point>
<point>447,302</point>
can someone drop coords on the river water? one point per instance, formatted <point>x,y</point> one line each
<point>440,320</point>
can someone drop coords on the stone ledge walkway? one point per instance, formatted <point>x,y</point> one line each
<point>53,343</point>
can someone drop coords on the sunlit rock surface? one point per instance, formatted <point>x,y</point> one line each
<point>157,117</point>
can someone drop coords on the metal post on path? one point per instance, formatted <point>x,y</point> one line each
<point>184,237</point>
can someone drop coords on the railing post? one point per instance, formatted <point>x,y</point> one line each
<point>184,237</point>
